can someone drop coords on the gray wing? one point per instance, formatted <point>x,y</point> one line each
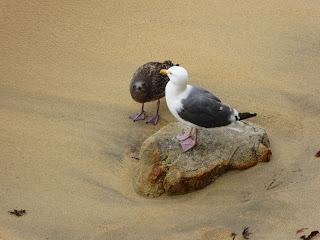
<point>202,91</point>
<point>204,109</point>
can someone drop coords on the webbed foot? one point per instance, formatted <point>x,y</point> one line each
<point>184,136</point>
<point>153,119</point>
<point>188,144</point>
<point>137,116</point>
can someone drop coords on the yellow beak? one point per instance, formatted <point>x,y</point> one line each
<point>164,71</point>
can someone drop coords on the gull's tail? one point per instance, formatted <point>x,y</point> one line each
<point>245,115</point>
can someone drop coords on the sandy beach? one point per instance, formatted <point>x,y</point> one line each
<point>65,135</point>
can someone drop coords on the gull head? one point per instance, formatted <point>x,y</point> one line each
<point>177,75</point>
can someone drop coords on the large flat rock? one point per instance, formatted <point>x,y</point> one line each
<point>164,168</point>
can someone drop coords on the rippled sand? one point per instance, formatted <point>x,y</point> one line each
<point>64,101</point>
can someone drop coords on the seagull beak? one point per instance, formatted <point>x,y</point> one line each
<point>164,72</point>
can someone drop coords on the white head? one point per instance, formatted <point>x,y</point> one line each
<point>177,75</point>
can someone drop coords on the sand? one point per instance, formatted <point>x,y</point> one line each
<point>65,133</point>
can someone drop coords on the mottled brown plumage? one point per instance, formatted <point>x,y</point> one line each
<point>147,84</point>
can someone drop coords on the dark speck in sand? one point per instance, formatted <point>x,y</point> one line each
<point>311,235</point>
<point>317,154</point>
<point>233,235</point>
<point>246,233</point>
<point>273,184</point>
<point>18,213</point>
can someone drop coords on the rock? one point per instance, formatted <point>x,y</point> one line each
<point>164,168</point>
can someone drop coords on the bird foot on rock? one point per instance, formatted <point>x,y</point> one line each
<point>137,116</point>
<point>188,144</point>
<point>153,119</point>
<point>184,136</point>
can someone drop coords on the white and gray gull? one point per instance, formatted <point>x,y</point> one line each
<point>196,107</point>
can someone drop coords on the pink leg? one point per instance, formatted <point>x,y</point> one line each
<point>190,143</point>
<point>186,135</point>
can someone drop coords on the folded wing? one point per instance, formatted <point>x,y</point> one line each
<point>204,109</point>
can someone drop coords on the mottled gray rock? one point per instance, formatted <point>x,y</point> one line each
<point>164,168</point>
